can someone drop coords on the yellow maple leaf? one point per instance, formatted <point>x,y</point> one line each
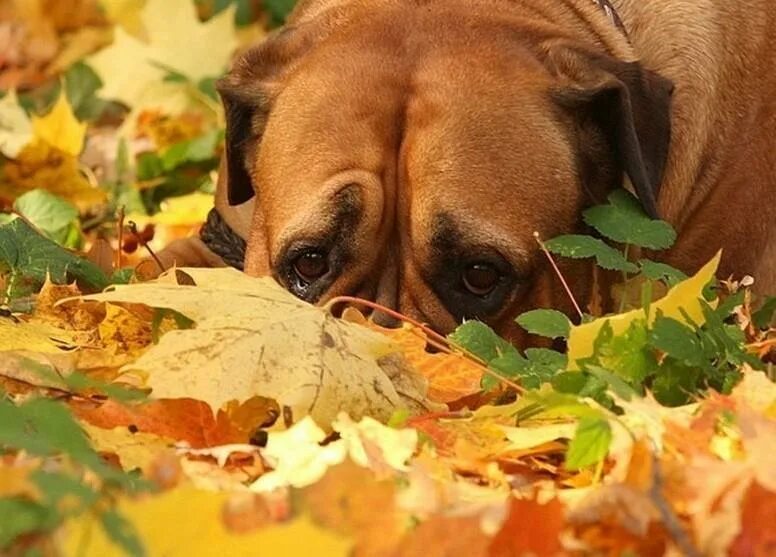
<point>15,126</point>
<point>59,128</point>
<point>683,298</point>
<point>162,529</point>
<point>285,349</point>
<point>40,165</point>
<point>194,49</point>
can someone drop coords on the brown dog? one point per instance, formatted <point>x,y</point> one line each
<point>407,150</point>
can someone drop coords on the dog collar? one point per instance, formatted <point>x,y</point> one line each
<point>222,240</point>
<point>612,14</point>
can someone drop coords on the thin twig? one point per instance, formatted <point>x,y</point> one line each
<point>560,275</point>
<point>432,337</point>
<point>133,229</point>
<point>121,216</point>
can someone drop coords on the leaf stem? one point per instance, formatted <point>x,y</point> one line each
<point>624,295</point>
<point>560,275</point>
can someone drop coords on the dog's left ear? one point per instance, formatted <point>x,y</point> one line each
<point>248,92</point>
<point>630,105</point>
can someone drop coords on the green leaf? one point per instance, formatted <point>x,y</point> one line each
<point>552,404</point>
<point>45,427</point>
<point>479,339</point>
<point>617,385</point>
<point>623,220</point>
<point>199,149</point>
<point>626,355</point>
<point>21,516</point>
<point>55,486</point>
<point>52,215</point>
<point>764,317</point>
<point>590,444</point>
<point>123,533</point>
<point>675,383</point>
<point>545,322</point>
<point>571,382</point>
<point>538,366</point>
<point>677,340</point>
<point>661,271</point>
<point>725,309</point>
<point>81,86</point>
<point>279,9</point>
<point>578,246</point>
<point>29,257</point>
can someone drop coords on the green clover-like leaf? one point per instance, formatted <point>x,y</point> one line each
<point>545,322</point>
<point>578,246</point>
<point>623,220</point>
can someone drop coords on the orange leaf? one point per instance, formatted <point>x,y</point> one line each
<point>450,376</point>
<point>757,537</point>
<point>181,419</point>
<point>441,536</point>
<point>530,529</point>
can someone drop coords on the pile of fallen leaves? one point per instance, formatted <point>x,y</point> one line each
<point>206,411</point>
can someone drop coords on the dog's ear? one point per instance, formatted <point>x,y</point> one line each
<point>630,105</point>
<point>247,93</point>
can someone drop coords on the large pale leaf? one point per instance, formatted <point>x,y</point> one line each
<point>177,41</point>
<point>683,299</point>
<point>252,337</point>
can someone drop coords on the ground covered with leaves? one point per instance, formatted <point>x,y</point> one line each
<point>205,411</point>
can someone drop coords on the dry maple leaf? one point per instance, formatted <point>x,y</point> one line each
<point>183,419</point>
<point>451,376</point>
<point>252,337</point>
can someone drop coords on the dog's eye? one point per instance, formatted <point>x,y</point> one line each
<point>480,278</point>
<point>311,265</point>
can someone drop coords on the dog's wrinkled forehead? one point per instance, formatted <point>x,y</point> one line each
<point>431,121</point>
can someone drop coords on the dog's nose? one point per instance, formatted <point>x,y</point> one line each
<point>387,293</point>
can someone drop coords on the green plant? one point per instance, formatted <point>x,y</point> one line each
<point>676,361</point>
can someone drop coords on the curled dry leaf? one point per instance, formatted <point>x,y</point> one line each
<point>252,337</point>
<point>450,376</point>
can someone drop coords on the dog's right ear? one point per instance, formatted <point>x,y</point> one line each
<point>247,93</point>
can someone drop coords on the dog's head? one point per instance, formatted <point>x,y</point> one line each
<point>408,155</point>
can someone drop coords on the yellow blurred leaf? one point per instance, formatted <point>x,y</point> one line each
<point>59,128</point>
<point>40,165</point>
<point>15,126</point>
<point>194,49</point>
<point>15,481</point>
<point>683,296</point>
<point>187,522</point>
<point>186,210</point>
<point>127,15</point>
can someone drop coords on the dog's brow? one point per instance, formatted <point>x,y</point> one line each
<point>454,235</point>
